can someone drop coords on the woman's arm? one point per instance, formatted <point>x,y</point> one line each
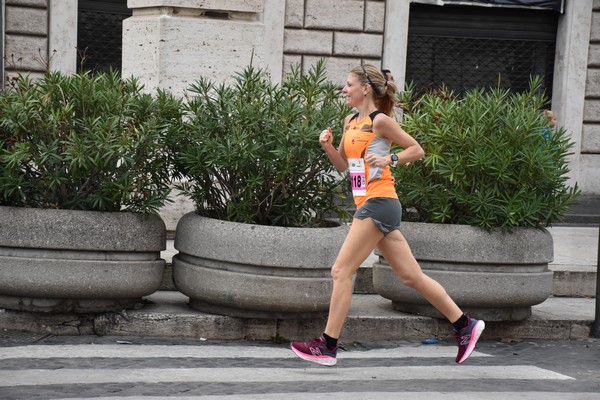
<point>387,127</point>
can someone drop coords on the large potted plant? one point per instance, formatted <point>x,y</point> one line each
<point>83,171</point>
<point>261,241</point>
<point>494,175</point>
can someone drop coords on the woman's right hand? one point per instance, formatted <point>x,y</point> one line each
<point>336,156</point>
<point>326,137</point>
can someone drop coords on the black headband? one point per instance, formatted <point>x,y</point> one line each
<point>369,79</point>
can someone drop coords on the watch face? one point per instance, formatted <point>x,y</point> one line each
<point>394,157</point>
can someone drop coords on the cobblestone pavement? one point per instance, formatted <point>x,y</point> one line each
<point>42,367</point>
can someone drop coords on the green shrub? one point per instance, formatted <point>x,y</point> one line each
<point>250,151</point>
<point>86,142</point>
<point>490,160</point>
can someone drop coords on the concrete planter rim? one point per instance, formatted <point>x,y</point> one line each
<point>469,244</point>
<point>255,271</point>
<point>495,275</point>
<point>271,246</point>
<point>83,230</point>
<point>54,260</point>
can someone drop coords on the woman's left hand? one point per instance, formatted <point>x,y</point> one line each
<point>376,161</point>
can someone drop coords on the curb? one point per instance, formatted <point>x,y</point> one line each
<point>372,318</point>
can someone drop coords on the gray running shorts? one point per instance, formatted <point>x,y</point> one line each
<point>385,212</point>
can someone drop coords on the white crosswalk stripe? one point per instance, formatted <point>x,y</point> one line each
<point>229,375</point>
<point>245,372</point>
<point>210,351</point>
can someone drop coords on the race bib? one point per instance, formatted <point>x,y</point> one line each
<point>358,177</point>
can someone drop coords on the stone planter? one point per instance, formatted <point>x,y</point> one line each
<point>495,276</point>
<point>255,271</point>
<point>78,261</point>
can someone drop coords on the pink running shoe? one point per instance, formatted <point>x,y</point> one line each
<point>467,337</point>
<point>316,351</point>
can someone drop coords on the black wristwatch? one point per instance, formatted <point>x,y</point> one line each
<point>394,160</point>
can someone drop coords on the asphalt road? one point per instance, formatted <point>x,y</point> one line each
<point>89,367</point>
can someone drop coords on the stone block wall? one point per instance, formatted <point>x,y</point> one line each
<point>26,37</point>
<point>170,44</point>
<point>590,139</point>
<point>344,32</point>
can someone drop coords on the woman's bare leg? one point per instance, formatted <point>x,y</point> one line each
<point>397,253</point>
<point>360,242</point>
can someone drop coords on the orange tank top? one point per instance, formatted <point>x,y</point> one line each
<point>367,182</point>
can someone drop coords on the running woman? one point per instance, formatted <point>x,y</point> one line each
<point>365,152</point>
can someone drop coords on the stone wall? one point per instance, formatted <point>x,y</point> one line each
<point>344,32</point>
<point>590,140</point>
<point>170,44</point>
<point>39,37</point>
<point>26,37</point>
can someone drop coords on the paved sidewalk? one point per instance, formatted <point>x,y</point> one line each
<point>575,245</point>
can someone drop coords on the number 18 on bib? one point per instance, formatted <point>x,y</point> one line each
<point>358,177</point>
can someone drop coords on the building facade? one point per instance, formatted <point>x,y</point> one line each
<point>170,43</point>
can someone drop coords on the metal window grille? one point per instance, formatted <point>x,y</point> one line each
<point>462,64</point>
<point>464,47</point>
<point>100,29</point>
